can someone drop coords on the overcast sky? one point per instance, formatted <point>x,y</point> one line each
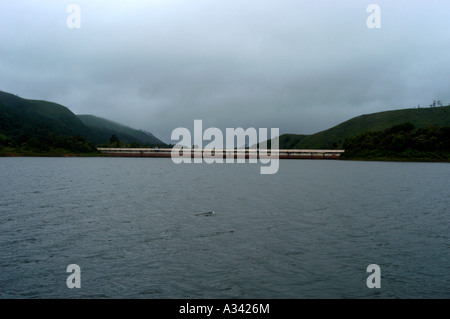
<point>300,66</point>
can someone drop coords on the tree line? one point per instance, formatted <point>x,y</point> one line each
<point>48,143</point>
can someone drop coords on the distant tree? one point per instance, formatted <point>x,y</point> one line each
<point>436,103</point>
<point>114,140</point>
<point>36,144</point>
<point>135,145</point>
<point>22,139</point>
<point>5,141</point>
<point>403,127</point>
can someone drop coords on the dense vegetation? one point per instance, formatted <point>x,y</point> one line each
<point>334,137</point>
<point>400,142</point>
<point>49,144</point>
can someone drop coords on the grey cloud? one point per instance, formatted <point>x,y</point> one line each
<point>302,66</point>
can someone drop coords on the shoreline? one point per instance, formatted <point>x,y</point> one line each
<point>98,155</point>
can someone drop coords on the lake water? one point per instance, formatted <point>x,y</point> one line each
<point>137,228</point>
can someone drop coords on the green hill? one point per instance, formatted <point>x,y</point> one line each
<point>41,122</point>
<point>20,116</point>
<point>105,128</point>
<point>334,137</point>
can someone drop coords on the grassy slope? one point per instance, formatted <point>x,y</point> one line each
<point>335,136</point>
